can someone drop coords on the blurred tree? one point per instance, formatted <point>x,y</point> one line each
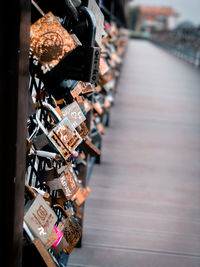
<point>186,27</point>
<point>133,16</point>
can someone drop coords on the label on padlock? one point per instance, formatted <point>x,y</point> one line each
<point>95,65</point>
<point>74,114</point>
<point>41,219</point>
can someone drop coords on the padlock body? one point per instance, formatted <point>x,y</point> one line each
<point>65,138</point>
<point>81,64</point>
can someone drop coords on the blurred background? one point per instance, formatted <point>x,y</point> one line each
<point>173,23</point>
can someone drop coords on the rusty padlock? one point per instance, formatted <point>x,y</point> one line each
<point>71,229</point>
<point>63,136</point>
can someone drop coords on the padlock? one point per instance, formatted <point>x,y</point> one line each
<point>92,5</point>
<point>64,88</point>
<point>71,229</point>
<point>50,43</point>
<point>54,238</point>
<point>90,148</point>
<point>63,136</point>
<point>95,135</point>
<point>81,64</point>
<point>74,114</point>
<point>40,218</point>
<point>83,130</point>
<point>87,88</point>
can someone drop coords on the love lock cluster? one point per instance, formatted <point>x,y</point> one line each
<point>75,59</point>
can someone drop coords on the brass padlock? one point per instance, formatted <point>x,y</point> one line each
<point>49,42</point>
<point>63,136</point>
<point>71,229</point>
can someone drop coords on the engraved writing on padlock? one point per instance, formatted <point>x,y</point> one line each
<point>50,42</point>
<point>67,181</point>
<point>71,230</point>
<point>40,218</point>
<point>74,114</point>
<point>83,62</point>
<point>63,136</point>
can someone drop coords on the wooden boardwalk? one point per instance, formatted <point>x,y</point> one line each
<point>144,208</point>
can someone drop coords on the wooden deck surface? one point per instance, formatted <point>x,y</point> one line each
<point>144,208</point>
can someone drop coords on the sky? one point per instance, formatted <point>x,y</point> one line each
<point>189,10</point>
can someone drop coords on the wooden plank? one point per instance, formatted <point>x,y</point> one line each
<point>144,208</point>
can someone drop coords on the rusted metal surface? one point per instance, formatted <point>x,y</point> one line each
<point>50,42</point>
<point>144,208</point>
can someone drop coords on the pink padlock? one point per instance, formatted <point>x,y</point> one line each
<point>107,26</point>
<point>59,234</point>
<point>74,154</point>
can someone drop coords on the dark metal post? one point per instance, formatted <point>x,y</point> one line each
<point>14,47</point>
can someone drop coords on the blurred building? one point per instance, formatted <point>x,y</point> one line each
<point>156,18</point>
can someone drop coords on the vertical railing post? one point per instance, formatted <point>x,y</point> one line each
<point>14,77</point>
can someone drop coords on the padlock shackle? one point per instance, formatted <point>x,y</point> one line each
<point>53,112</point>
<point>59,207</point>
<point>91,21</point>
